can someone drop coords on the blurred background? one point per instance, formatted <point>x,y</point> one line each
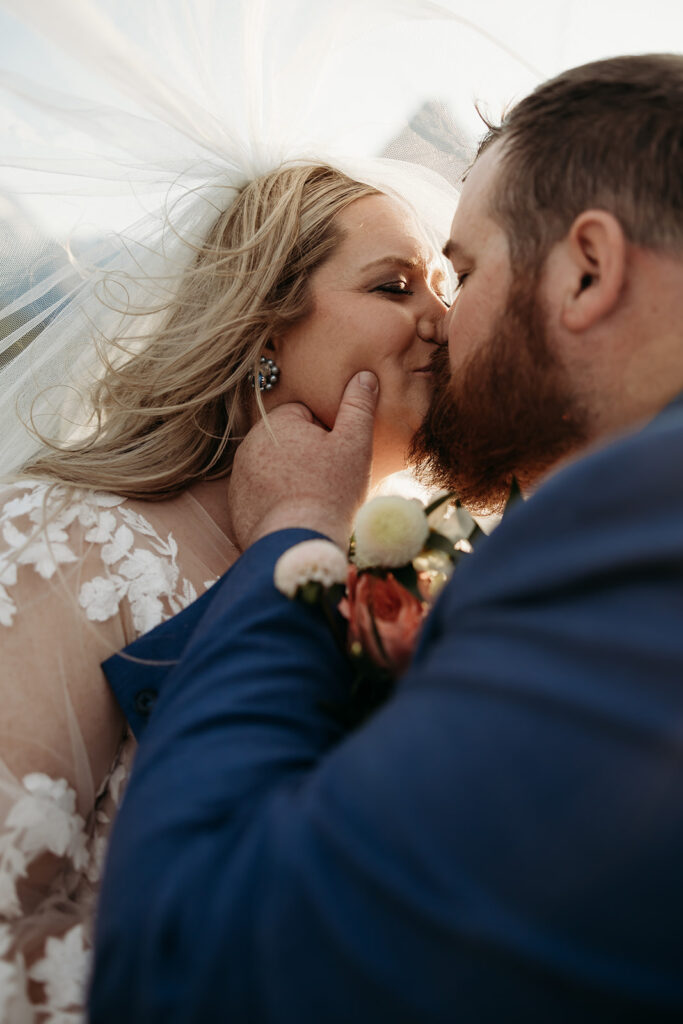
<point>379,86</point>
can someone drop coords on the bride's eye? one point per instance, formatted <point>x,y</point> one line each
<point>394,288</point>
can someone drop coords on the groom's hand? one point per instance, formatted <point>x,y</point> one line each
<point>309,476</point>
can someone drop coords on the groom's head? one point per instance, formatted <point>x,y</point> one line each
<point>568,244</point>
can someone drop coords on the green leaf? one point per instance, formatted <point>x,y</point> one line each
<point>514,497</point>
<point>310,593</point>
<point>336,623</point>
<point>377,571</point>
<point>476,534</point>
<point>335,593</point>
<point>407,577</point>
<point>433,505</point>
<point>438,542</point>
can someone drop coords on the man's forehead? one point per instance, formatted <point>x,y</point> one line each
<point>476,190</point>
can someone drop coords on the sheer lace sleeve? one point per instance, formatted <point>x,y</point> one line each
<point>81,575</point>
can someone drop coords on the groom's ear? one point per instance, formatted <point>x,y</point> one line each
<point>592,264</point>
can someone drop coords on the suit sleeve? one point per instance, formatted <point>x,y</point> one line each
<point>502,840</point>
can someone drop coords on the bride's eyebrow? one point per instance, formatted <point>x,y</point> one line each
<point>400,261</point>
<point>408,263</point>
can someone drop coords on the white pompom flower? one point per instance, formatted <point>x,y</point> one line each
<point>311,561</point>
<point>389,532</point>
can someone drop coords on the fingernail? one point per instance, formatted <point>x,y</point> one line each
<point>368,380</point>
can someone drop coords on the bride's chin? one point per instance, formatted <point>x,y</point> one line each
<point>421,397</point>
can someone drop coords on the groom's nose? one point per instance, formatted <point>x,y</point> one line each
<point>441,331</point>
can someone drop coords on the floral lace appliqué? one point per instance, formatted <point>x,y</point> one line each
<point>42,819</point>
<point>148,576</point>
<point>64,971</point>
<point>48,531</point>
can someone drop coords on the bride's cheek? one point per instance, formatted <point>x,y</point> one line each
<point>324,397</point>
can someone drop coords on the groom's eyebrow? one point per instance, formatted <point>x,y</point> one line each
<point>453,250</point>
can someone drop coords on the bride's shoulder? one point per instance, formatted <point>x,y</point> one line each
<point>43,501</point>
<point>98,545</point>
<point>43,531</point>
<point>46,525</point>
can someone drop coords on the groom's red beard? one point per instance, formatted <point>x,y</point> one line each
<point>508,412</point>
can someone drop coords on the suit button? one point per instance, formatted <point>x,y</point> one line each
<point>145,701</point>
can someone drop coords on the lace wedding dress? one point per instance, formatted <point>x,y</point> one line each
<point>81,575</point>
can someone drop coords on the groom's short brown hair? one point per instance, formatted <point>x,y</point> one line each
<point>607,134</point>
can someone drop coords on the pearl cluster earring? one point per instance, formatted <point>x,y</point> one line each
<point>268,375</point>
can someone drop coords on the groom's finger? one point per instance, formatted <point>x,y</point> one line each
<point>355,417</point>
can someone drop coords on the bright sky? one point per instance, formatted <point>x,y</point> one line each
<point>398,68</point>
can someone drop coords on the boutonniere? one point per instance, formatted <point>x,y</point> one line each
<point>376,596</point>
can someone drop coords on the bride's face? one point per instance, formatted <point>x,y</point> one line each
<point>378,302</point>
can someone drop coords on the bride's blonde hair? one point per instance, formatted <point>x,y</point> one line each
<point>174,410</point>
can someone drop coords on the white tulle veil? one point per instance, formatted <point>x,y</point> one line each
<point>167,107</point>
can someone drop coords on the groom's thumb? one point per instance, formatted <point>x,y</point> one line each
<point>357,409</point>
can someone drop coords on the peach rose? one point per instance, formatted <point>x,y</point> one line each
<point>398,615</point>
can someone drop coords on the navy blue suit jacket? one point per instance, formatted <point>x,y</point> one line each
<point>502,841</point>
